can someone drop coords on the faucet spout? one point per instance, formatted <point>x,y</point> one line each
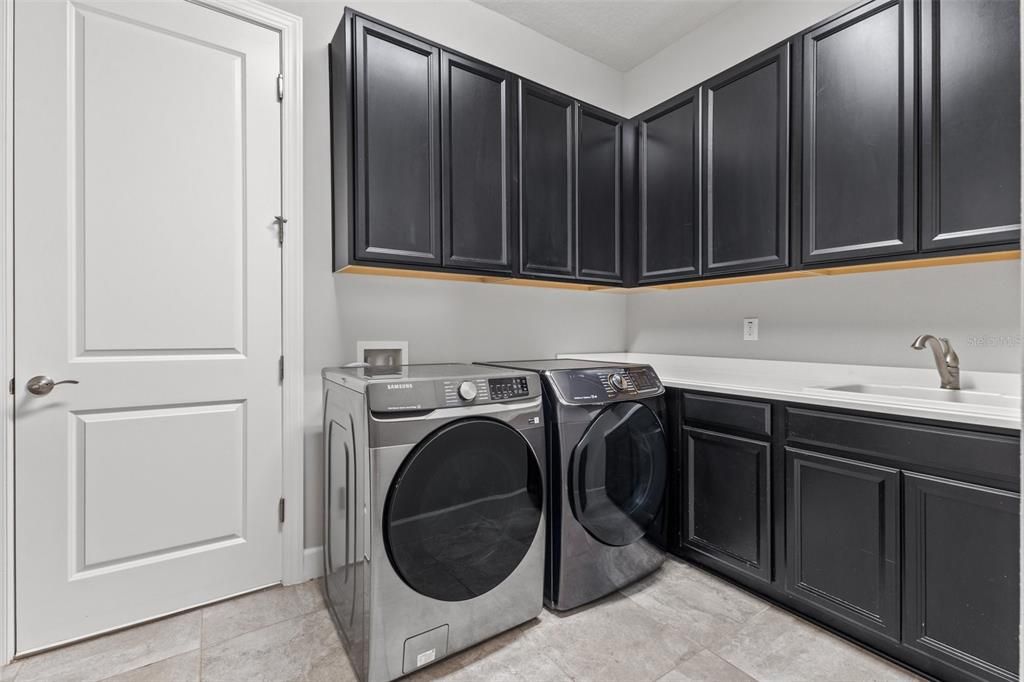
<point>946,360</point>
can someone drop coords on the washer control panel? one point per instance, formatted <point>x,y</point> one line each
<point>508,388</point>
<point>464,392</point>
<point>601,385</point>
<point>488,390</point>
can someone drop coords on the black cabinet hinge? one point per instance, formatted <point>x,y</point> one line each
<point>280,510</point>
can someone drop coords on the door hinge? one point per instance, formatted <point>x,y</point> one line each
<point>280,220</point>
<point>10,386</point>
<point>280,368</point>
<point>280,510</point>
<point>280,87</point>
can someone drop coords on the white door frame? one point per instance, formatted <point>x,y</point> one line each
<point>290,29</point>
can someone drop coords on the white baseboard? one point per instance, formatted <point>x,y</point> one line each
<point>312,563</point>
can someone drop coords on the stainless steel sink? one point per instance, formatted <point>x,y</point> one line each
<point>942,395</point>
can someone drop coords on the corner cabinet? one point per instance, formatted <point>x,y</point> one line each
<point>859,135</point>
<point>746,166</point>
<point>725,484</point>
<point>970,123</point>
<point>396,147</point>
<point>477,164</point>
<point>599,194</point>
<point>668,147</point>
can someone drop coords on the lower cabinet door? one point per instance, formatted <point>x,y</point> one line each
<point>842,544</point>
<point>962,582</point>
<point>727,501</point>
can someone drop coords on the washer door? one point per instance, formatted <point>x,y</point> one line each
<point>617,474</point>
<point>463,509</point>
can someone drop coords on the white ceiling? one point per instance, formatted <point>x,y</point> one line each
<point>619,33</point>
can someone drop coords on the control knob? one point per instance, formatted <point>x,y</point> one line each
<point>617,382</point>
<point>467,390</point>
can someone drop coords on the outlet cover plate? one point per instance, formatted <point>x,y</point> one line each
<point>750,329</point>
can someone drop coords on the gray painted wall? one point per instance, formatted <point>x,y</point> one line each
<point>442,321</point>
<point>842,319</point>
<point>864,319</point>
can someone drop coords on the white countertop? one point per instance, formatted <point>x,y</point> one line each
<point>802,382</point>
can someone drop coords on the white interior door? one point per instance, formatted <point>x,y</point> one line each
<point>148,175</point>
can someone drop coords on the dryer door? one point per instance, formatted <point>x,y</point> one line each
<point>617,474</point>
<point>463,509</point>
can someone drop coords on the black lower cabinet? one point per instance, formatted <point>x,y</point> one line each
<point>842,525</point>
<point>961,599</point>
<point>900,534</point>
<point>727,501</point>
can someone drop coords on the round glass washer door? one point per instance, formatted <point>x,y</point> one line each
<point>463,509</point>
<point>617,474</point>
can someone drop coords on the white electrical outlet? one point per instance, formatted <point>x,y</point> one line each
<point>750,329</point>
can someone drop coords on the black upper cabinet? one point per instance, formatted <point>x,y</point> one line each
<point>970,123</point>
<point>746,166</point>
<point>842,530</point>
<point>598,194</point>
<point>859,193</point>
<point>668,141</point>
<point>546,183</point>
<point>727,507</point>
<point>962,560</point>
<point>477,153</point>
<point>397,160</point>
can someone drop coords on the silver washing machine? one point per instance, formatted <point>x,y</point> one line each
<point>433,508</point>
<point>608,469</point>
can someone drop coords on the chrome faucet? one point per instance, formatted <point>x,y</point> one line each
<point>946,360</point>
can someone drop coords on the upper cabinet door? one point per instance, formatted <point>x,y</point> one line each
<point>746,166</point>
<point>859,191</point>
<point>477,165</point>
<point>970,123</point>
<point>668,140</point>
<point>397,159</point>
<point>598,194</point>
<point>546,221</point>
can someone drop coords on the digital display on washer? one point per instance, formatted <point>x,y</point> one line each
<point>508,388</point>
<point>643,378</point>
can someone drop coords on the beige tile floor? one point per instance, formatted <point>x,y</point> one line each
<point>679,624</point>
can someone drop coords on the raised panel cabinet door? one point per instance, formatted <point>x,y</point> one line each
<point>546,183</point>
<point>859,195</point>
<point>727,500</point>
<point>477,153</point>
<point>842,538</point>
<point>746,166</point>
<point>970,123</point>
<point>598,194</point>
<point>397,160</point>
<point>668,142</point>
<point>962,566</point>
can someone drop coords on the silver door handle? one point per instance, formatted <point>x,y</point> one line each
<point>42,385</point>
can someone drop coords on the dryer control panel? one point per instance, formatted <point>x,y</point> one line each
<point>606,384</point>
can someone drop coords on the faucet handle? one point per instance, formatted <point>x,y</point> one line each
<point>950,356</point>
